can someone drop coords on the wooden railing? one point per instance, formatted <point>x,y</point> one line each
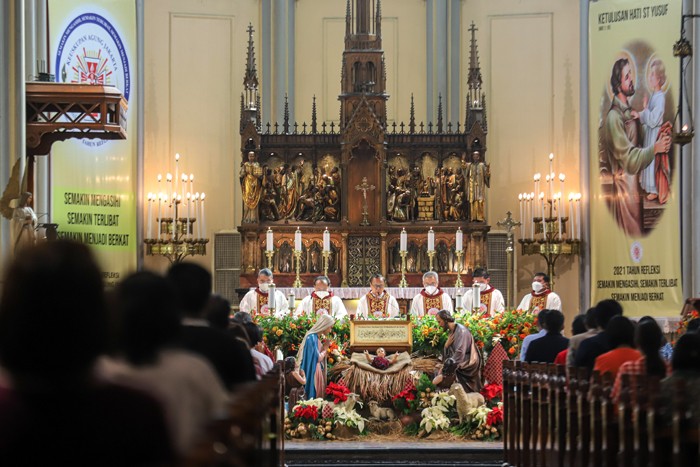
<point>555,420</point>
<point>253,433</point>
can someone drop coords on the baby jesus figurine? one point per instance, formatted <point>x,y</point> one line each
<point>380,362</point>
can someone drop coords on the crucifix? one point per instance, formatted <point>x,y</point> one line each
<point>364,187</point>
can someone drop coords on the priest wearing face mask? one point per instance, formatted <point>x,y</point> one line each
<point>431,299</point>
<point>321,301</point>
<point>490,299</point>
<point>377,303</point>
<point>541,297</point>
<point>257,301</point>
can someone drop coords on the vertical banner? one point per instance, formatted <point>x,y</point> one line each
<point>634,185</point>
<point>94,181</point>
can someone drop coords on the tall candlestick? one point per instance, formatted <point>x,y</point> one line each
<point>297,240</point>
<point>184,184</point>
<point>531,217</point>
<point>558,196</point>
<point>187,231</point>
<point>270,244</point>
<point>520,204</point>
<point>431,240</point>
<point>326,240</point>
<point>572,224</point>
<point>271,302</point>
<point>459,239</point>
<point>192,184</point>
<point>160,213</point>
<point>537,182</point>
<point>551,170</point>
<point>404,240</point>
<point>476,297</point>
<point>204,222</point>
<point>544,224</point>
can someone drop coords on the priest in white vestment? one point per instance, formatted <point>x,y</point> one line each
<point>377,302</point>
<point>431,299</point>
<point>322,301</point>
<point>490,298</point>
<point>257,301</point>
<point>541,297</point>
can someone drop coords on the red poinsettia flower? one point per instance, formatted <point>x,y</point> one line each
<point>495,417</point>
<point>491,391</point>
<point>338,392</point>
<point>309,412</point>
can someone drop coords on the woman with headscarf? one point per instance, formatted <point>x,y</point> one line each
<point>312,356</point>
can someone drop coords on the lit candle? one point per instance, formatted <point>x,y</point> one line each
<point>177,159</point>
<point>270,242</point>
<point>551,171</point>
<point>150,215</point>
<point>160,213</point>
<point>684,128</point>
<point>531,217</point>
<point>459,239</point>
<point>326,240</point>
<point>404,240</point>
<point>544,225</point>
<point>184,185</point>
<point>571,217</point>
<point>192,184</point>
<point>578,216</point>
<point>549,187</point>
<point>537,178</point>
<point>520,203</point>
<point>198,215</point>
<point>189,198</point>
<point>558,196</point>
<point>561,193</point>
<point>204,222</point>
<point>431,240</point>
<point>297,240</point>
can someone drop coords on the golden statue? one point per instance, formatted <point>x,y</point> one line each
<point>251,186</point>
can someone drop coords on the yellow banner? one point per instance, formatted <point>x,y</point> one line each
<point>634,184</point>
<point>94,181</point>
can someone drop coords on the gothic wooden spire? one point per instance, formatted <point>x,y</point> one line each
<point>313,116</point>
<point>286,114</point>
<point>412,122</point>
<point>474,80</point>
<point>439,119</point>
<point>251,74</point>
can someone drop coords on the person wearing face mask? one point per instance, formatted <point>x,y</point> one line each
<point>490,298</point>
<point>377,303</point>
<point>541,297</point>
<point>431,299</point>
<point>256,301</point>
<point>321,301</point>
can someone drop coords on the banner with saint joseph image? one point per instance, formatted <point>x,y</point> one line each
<point>634,182</point>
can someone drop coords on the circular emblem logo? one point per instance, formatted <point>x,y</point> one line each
<point>636,252</point>
<point>321,311</point>
<point>265,310</point>
<point>90,51</point>
<point>433,311</point>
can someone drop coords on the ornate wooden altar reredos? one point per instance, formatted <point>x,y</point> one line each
<point>363,179</point>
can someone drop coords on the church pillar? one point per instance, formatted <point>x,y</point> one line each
<point>690,211</point>
<point>12,92</point>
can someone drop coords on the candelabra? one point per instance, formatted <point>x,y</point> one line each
<point>458,282</point>
<point>297,281</point>
<point>431,255</point>
<point>326,256</point>
<point>403,284</point>
<point>269,254</point>
<point>178,233</point>
<point>544,221</point>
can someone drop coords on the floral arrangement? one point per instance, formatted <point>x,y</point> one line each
<point>435,417</point>
<point>685,319</point>
<point>310,418</point>
<point>493,393</point>
<point>405,401</point>
<point>508,327</point>
<point>349,418</point>
<point>337,392</point>
<point>483,423</point>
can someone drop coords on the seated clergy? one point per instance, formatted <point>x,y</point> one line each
<point>541,296</point>
<point>377,303</point>
<point>490,298</point>
<point>257,301</point>
<point>321,301</point>
<point>431,299</point>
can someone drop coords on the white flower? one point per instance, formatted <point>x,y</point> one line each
<point>349,418</point>
<point>443,399</point>
<point>479,415</point>
<point>434,418</point>
<point>318,402</point>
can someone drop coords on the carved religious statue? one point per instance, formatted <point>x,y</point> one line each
<point>251,177</point>
<point>477,177</point>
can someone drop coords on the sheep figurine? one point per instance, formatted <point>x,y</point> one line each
<point>381,413</point>
<point>465,401</point>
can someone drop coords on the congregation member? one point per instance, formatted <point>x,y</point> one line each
<point>53,326</point>
<point>377,303</point>
<point>591,330</point>
<point>620,332</point>
<point>257,300</point>
<point>648,337</point>
<point>541,319</point>
<point>232,362</point>
<point>541,297</point>
<point>462,349</point>
<point>578,327</point>
<point>546,348</point>
<point>263,363</point>
<point>490,298</point>
<point>313,354</point>
<point>591,348</point>
<point>432,298</point>
<point>685,365</point>
<point>148,359</point>
<point>322,301</point>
